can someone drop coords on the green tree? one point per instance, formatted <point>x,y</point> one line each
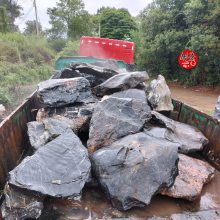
<point>68,19</point>
<point>115,23</point>
<point>31,27</point>
<point>3,20</point>
<point>13,11</point>
<point>170,26</point>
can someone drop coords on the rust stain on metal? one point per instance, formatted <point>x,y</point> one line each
<point>13,139</point>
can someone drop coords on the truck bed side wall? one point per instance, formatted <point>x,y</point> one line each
<point>205,123</point>
<point>13,137</point>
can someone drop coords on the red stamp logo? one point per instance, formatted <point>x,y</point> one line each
<point>188,59</point>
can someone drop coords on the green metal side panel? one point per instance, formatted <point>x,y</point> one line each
<point>63,62</point>
<point>205,123</point>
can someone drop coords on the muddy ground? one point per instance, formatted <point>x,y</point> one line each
<point>201,98</point>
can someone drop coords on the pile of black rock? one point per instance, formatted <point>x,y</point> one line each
<point>101,126</point>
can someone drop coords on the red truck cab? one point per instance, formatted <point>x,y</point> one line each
<point>104,48</point>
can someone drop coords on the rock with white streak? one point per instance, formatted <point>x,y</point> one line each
<point>59,169</point>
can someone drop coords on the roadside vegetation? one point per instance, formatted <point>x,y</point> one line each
<point>24,61</point>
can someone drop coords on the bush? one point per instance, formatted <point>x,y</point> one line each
<point>4,98</point>
<point>71,49</point>
<point>15,47</point>
<point>14,76</point>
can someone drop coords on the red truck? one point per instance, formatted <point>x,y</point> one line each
<point>104,48</point>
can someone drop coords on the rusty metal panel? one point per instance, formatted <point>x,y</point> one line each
<point>210,128</point>
<point>13,136</point>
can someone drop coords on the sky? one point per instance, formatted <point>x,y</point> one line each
<point>134,7</point>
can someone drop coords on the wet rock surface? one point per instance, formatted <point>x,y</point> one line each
<point>62,92</point>
<point>202,215</point>
<point>116,117</point>
<point>59,169</point>
<point>120,82</point>
<point>135,168</point>
<point>193,174</point>
<point>216,114</point>
<point>159,95</point>
<point>191,139</point>
<point>19,205</point>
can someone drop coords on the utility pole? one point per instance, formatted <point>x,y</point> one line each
<point>36,18</point>
<point>99,29</point>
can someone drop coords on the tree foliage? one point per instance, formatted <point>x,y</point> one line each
<point>170,26</point>
<point>31,27</point>
<point>13,11</point>
<point>3,20</point>
<point>68,19</point>
<point>115,23</point>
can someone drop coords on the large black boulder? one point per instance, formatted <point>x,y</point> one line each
<point>20,205</point>
<point>191,139</point>
<point>62,92</point>
<point>135,168</point>
<point>120,82</point>
<point>116,117</point>
<point>60,168</point>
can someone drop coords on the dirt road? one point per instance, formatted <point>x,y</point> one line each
<point>203,99</point>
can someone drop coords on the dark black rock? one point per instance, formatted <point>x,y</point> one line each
<point>191,140</point>
<point>120,82</point>
<point>216,114</point>
<point>135,168</point>
<point>20,205</point>
<point>93,73</point>
<point>114,118</point>
<point>59,169</point>
<point>66,74</point>
<point>62,92</point>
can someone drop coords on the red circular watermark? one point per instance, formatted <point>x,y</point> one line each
<point>188,59</point>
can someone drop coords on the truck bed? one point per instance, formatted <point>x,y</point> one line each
<point>14,144</point>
